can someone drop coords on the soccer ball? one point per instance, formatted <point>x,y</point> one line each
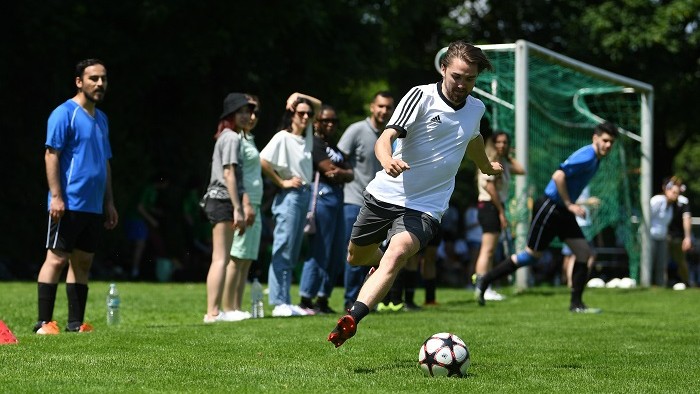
<point>444,354</point>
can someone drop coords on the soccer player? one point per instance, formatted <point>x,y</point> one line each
<point>554,214</point>
<point>433,126</point>
<point>80,193</point>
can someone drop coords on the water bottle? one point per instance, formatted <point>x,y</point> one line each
<point>256,299</point>
<point>113,302</point>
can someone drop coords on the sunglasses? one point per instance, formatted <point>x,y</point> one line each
<point>302,113</point>
<point>329,120</point>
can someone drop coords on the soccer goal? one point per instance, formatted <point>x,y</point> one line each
<point>549,104</point>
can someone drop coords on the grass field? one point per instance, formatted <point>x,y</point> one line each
<point>645,341</point>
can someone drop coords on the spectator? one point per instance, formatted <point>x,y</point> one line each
<point>679,231</point>
<point>222,202</point>
<point>493,194</point>
<point>286,160</point>
<point>357,144</point>
<point>660,217</point>
<point>472,234</point>
<point>246,246</point>
<point>328,243</point>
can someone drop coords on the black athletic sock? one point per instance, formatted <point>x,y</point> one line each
<point>430,285</point>
<point>410,283</point>
<point>359,311</point>
<point>578,282</point>
<point>46,300</point>
<point>506,267</point>
<point>77,300</point>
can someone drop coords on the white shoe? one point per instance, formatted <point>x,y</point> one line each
<point>286,310</point>
<point>213,319</point>
<point>235,316</point>
<point>493,295</point>
<point>299,311</point>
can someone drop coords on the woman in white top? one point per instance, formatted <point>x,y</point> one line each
<point>659,218</point>
<point>493,193</point>
<point>286,160</point>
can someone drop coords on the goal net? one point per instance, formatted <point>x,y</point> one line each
<point>549,104</point>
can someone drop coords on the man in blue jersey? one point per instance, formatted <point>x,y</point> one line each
<point>433,126</point>
<point>554,214</point>
<point>80,198</point>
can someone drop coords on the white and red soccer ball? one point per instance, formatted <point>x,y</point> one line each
<point>444,354</point>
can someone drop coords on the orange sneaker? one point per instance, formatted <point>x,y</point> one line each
<point>47,328</point>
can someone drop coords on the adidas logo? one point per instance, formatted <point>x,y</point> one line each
<point>436,119</point>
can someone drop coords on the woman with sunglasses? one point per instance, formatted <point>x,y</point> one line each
<point>286,161</point>
<point>328,244</point>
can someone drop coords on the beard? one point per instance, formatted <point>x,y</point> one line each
<point>95,96</point>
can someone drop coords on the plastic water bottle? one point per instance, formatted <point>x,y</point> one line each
<point>256,299</point>
<point>113,303</point>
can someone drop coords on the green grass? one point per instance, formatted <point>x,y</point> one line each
<point>645,341</point>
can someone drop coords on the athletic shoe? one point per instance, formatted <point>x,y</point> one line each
<point>581,308</point>
<point>431,303</point>
<point>411,307</point>
<point>235,315</point>
<point>213,319</point>
<point>79,327</point>
<point>493,295</point>
<point>381,307</point>
<point>46,328</point>
<point>344,330</point>
<point>396,307</point>
<point>286,310</point>
<point>324,309</point>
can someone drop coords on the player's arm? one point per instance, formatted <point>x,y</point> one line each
<point>111,211</point>
<point>687,243</point>
<point>382,149</point>
<point>57,206</point>
<point>559,178</point>
<point>477,153</point>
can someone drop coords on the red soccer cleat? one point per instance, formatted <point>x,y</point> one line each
<point>344,330</point>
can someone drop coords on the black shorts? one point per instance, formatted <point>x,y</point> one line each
<point>218,210</point>
<point>488,217</point>
<point>75,230</point>
<point>550,220</point>
<point>379,221</point>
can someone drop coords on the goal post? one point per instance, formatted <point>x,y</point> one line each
<point>549,103</point>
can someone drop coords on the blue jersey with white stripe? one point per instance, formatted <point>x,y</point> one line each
<point>83,143</point>
<point>579,169</point>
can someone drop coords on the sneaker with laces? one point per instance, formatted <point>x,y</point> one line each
<point>381,307</point>
<point>46,328</point>
<point>493,295</point>
<point>395,307</point>
<point>582,308</point>
<point>213,319</point>
<point>344,330</point>
<point>478,291</point>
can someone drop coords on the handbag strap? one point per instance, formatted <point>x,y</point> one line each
<point>313,198</point>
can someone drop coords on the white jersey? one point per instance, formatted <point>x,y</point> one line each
<point>433,138</point>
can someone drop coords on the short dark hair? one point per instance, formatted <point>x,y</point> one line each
<point>83,64</point>
<point>468,53</point>
<point>382,93</point>
<point>606,128</point>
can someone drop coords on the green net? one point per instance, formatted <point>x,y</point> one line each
<point>565,104</point>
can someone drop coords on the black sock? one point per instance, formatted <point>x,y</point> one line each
<point>77,300</point>
<point>430,285</point>
<point>47,299</point>
<point>359,311</point>
<point>410,284</point>
<point>506,267</point>
<point>306,302</point>
<point>578,282</point>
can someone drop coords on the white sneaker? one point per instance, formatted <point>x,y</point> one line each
<point>493,295</point>
<point>286,310</point>
<point>235,315</point>
<point>299,311</point>
<point>213,319</point>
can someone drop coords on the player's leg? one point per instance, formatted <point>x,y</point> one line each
<point>579,274</point>
<point>77,289</point>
